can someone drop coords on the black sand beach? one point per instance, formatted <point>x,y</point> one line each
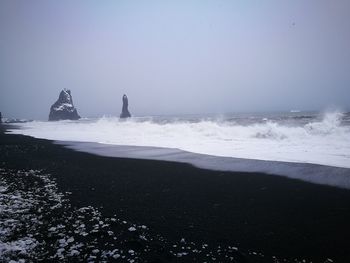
<point>283,219</point>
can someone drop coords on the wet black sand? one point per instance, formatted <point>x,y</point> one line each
<point>255,212</point>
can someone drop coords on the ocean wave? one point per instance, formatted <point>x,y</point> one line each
<point>321,140</point>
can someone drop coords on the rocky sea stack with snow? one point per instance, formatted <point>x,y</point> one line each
<point>63,108</point>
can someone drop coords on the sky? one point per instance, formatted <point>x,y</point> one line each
<point>174,57</point>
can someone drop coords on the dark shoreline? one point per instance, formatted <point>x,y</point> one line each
<point>276,216</point>
<point>307,172</point>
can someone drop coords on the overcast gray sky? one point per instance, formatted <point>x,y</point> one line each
<point>173,57</point>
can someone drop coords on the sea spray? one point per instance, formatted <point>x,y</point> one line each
<point>291,137</point>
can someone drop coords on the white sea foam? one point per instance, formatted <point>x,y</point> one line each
<point>323,141</point>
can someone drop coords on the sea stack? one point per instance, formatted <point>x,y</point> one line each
<point>63,108</point>
<point>125,112</point>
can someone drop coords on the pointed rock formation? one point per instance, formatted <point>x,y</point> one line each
<point>125,112</point>
<point>63,108</point>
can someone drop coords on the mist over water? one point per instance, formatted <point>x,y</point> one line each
<point>291,137</point>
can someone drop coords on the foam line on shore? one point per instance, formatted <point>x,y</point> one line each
<point>319,174</point>
<point>320,140</point>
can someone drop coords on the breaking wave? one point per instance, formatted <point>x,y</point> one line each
<point>324,140</point>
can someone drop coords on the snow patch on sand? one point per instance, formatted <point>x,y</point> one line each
<point>38,223</point>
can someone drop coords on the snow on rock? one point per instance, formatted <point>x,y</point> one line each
<point>63,108</point>
<point>132,229</point>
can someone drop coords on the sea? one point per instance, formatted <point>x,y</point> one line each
<point>309,146</point>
